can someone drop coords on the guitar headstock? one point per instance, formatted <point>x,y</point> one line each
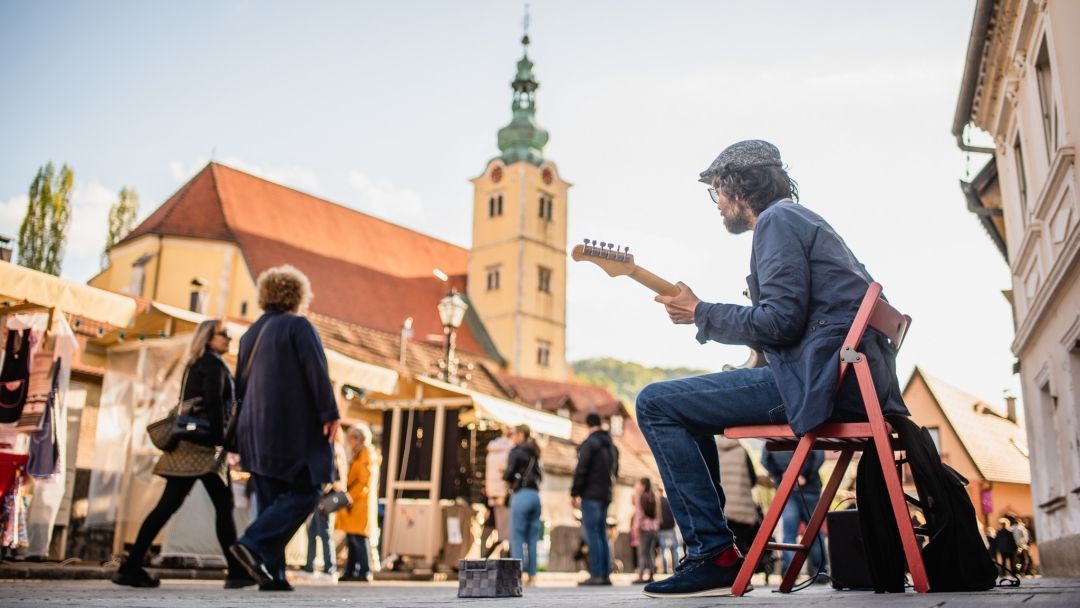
<point>616,261</point>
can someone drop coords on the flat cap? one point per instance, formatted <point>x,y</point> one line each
<point>742,155</point>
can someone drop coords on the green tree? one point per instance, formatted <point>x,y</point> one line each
<point>624,378</point>
<point>44,229</point>
<point>121,220</point>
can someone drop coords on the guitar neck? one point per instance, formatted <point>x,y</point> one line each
<point>653,282</point>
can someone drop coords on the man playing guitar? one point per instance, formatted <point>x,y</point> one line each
<point>805,287</point>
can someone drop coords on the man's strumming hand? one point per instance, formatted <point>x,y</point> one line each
<point>680,308</point>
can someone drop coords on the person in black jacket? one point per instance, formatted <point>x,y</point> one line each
<point>523,473</point>
<point>597,467</point>
<point>206,377</point>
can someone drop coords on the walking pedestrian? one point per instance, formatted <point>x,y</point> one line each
<point>524,472</point>
<point>669,536</point>
<point>594,478</point>
<point>287,423</point>
<point>318,530</point>
<point>646,525</point>
<point>495,488</point>
<point>1005,547</point>
<point>802,503</point>
<point>208,385</point>
<point>737,479</point>
<point>1023,547</point>
<point>355,521</point>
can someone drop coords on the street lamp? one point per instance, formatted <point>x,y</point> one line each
<point>451,312</point>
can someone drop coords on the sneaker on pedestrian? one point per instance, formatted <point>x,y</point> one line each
<point>711,577</point>
<point>276,585</point>
<point>134,577</point>
<point>239,582</point>
<point>252,563</point>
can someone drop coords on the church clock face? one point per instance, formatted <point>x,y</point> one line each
<point>548,177</point>
<point>496,174</point>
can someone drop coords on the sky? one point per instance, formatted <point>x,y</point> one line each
<point>390,108</point>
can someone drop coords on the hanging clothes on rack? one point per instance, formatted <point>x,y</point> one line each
<point>42,389</point>
<point>15,375</point>
<point>13,501</point>
<point>44,448</point>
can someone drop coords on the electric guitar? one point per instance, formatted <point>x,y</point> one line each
<point>619,262</point>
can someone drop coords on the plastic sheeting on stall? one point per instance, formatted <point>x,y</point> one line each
<point>141,383</point>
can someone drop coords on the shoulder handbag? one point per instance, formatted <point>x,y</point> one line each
<point>230,426</point>
<point>332,501</point>
<point>183,422</point>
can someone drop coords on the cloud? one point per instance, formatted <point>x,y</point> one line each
<point>385,200</point>
<point>302,178</point>
<point>90,202</point>
<point>12,212</point>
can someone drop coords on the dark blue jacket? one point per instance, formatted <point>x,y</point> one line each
<point>285,402</point>
<point>776,463</point>
<point>805,287</point>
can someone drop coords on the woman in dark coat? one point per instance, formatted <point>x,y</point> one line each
<point>206,377</point>
<point>287,423</point>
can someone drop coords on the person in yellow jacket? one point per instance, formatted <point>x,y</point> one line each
<point>355,521</point>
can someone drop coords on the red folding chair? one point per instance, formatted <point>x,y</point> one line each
<point>848,438</point>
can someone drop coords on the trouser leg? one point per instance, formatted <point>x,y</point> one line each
<point>283,507</point>
<point>224,524</point>
<point>172,497</point>
<point>679,419</point>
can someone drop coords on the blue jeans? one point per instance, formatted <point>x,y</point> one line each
<point>283,507</point>
<point>318,528</point>
<point>796,512</point>
<point>679,419</point>
<point>594,529</point>
<point>669,545</point>
<point>357,565</point>
<point>525,527</point>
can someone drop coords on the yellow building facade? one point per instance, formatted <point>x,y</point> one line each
<point>204,276</point>
<point>517,264</point>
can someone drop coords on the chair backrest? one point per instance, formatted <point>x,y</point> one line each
<point>879,314</point>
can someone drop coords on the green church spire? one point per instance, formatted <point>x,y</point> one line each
<point>523,139</point>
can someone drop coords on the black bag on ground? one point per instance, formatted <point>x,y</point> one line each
<point>955,557</point>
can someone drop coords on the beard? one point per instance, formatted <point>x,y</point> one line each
<point>737,224</point>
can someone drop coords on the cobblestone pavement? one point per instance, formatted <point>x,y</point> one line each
<point>551,593</point>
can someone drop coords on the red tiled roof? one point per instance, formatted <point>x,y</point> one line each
<point>362,269</point>
<point>383,349</point>
<point>551,395</point>
<point>996,445</point>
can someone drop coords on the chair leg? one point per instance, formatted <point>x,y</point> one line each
<point>892,481</point>
<point>818,518</point>
<point>764,535</point>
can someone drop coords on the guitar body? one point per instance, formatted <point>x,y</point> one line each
<point>620,262</point>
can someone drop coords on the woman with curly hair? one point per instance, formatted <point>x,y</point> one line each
<point>287,422</point>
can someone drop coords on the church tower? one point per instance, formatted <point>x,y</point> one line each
<point>517,264</point>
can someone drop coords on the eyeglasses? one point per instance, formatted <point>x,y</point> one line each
<point>225,334</point>
<point>714,194</point>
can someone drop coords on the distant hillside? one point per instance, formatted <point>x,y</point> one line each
<point>626,379</point>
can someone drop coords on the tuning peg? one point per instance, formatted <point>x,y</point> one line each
<point>586,241</point>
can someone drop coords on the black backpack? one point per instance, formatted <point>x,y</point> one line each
<point>955,557</point>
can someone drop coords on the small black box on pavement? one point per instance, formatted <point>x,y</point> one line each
<point>489,578</point>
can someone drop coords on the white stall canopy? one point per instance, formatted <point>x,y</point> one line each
<point>507,412</point>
